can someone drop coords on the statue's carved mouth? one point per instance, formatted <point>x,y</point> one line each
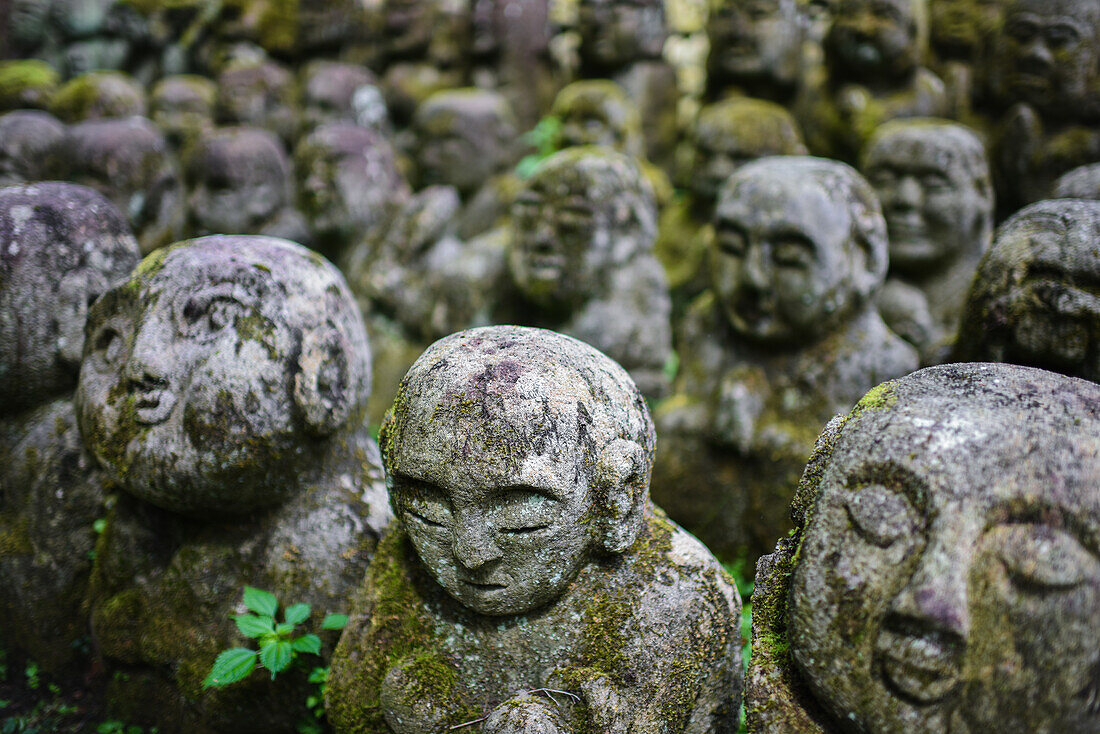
<point>919,666</point>
<point>153,406</point>
<point>483,586</point>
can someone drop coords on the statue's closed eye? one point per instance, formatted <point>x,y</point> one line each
<point>1040,557</point>
<point>207,314</point>
<point>882,516</point>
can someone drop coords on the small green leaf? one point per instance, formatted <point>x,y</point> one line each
<point>308,643</point>
<point>99,525</point>
<point>252,626</point>
<point>276,656</point>
<point>283,629</point>
<point>318,675</point>
<point>335,622</point>
<point>296,614</point>
<point>260,601</point>
<point>230,667</point>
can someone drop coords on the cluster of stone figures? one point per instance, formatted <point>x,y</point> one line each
<point>327,193</point>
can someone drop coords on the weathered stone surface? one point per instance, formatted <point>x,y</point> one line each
<point>183,108</point>
<point>1082,182</point>
<point>61,245</point>
<point>598,112</point>
<point>329,90</point>
<point>99,95</point>
<point>932,179</point>
<point>223,391</point>
<point>787,337</point>
<point>755,48</point>
<point>1033,300</point>
<point>941,576</point>
<point>27,138</point>
<point>528,556</point>
<point>262,94</point>
<point>27,84</point>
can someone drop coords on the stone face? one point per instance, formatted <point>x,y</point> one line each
<point>183,107</point>
<point>581,260</point>
<point>933,181</point>
<point>1033,301</point>
<point>942,575</point>
<point>528,556</point>
<point>755,47</point>
<point>615,33</point>
<point>598,112</point>
<point>261,94</point>
<point>329,91</point>
<point>61,245</point>
<point>26,139</point>
<point>223,391</point>
<point>26,84</point>
<point>786,338</point>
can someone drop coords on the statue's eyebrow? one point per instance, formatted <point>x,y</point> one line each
<point>1041,511</point>
<point>549,493</point>
<point>894,476</point>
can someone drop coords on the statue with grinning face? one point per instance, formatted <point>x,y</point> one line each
<point>944,574</point>
<point>1034,300</point>
<point>496,549</point>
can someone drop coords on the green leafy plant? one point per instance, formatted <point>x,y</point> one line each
<point>279,645</point>
<point>544,138</point>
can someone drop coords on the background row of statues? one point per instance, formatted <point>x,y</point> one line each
<point>502,563</point>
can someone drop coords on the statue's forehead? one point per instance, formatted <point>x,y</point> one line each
<point>917,144</point>
<point>778,197</point>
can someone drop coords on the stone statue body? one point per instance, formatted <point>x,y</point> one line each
<point>1034,299</point>
<point>786,338</point>
<point>540,566</point>
<point>223,391</point>
<point>27,138</point>
<point>933,182</point>
<point>942,575</point>
<point>61,245</point>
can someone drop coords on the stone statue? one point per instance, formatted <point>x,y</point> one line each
<point>27,84</point>
<point>239,181</point>
<point>27,137</point>
<point>183,108</point>
<point>581,261</point>
<point>260,94</point>
<point>329,90</point>
<point>530,583</point>
<point>129,161</point>
<point>347,174</point>
<point>622,40</point>
<point>755,49</point>
<point>787,337</point>
<point>223,391</point>
<point>598,112</point>
<point>874,52</point>
<point>942,575</point>
<point>99,95</point>
<point>61,246</point>
<point>961,38</point>
<point>932,179</point>
<point>1034,299</point>
<point>1082,182</point>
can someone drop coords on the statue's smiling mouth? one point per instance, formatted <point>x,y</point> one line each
<point>479,586</point>
<point>920,668</point>
<point>153,406</point>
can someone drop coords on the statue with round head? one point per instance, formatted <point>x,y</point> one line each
<point>943,574</point>
<point>329,90</point>
<point>99,95</point>
<point>223,391</point>
<point>1082,182</point>
<point>617,33</point>
<point>27,137</point>
<point>261,94</point>
<point>348,175</point>
<point>1034,299</point>
<point>877,42</point>
<point>598,112</point>
<point>183,108</point>
<point>932,179</point>
<point>27,84</point>
<point>755,47</point>
<point>581,258</point>
<point>518,463</point>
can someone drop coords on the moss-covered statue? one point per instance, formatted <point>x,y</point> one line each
<point>27,137</point>
<point>27,84</point>
<point>961,38</point>
<point>787,337</point>
<point>329,92</point>
<point>61,246</point>
<point>623,40</point>
<point>182,106</point>
<point>1045,73</point>
<point>726,135</point>
<point>223,391</point>
<point>129,161</point>
<point>874,56</point>
<point>1034,300</point>
<point>239,182</point>
<point>932,179</point>
<point>530,585</point>
<point>262,94</point>
<point>1082,182</point>
<point>99,95</point>
<point>756,49</point>
<point>943,574</point>
<point>580,261</point>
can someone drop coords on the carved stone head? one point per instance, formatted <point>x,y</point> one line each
<point>260,93</point>
<point>932,179</point>
<point>731,133</point>
<point>28,22</point>
<point>948,578</point>
<point>598,112</point>
<point>584,211</point>
<point>515,456</point>
<point>1034,299</point>
<point>213,377</point>
<point>875,41</point>
<point>1049,54</point>
<point>183,107</point>
<point>27,138</point>
<point>27,84</point>
<point>755,43</point>
<point>800,244</point>
<point>98,95</point>
<point>347,175</point>
<point>61,246</point>
<point>962,29</point>
<point>464,136</point>
<point>328,92</point>
<point>1082,182</point>
<point>615,33</point>
<point>238,178</point>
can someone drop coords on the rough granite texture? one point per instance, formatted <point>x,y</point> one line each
<point>942,575</point>
<point>528,556</point>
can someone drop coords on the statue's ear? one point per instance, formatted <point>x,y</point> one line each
<point>324,388</point>
<point>622,483</point>
<point>78,289</point>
